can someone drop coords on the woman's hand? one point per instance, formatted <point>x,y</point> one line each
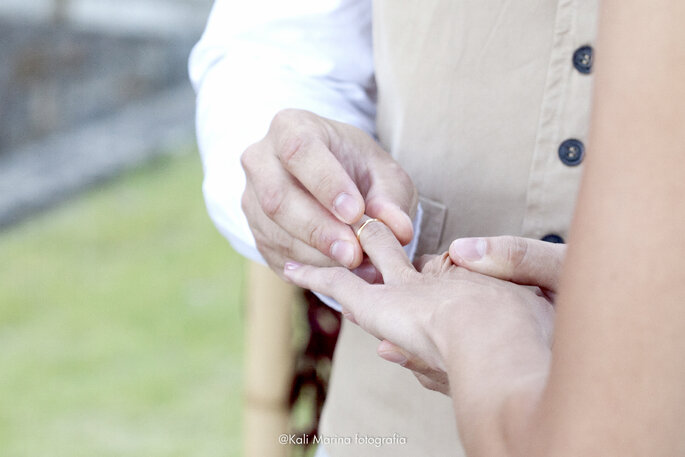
<point>523,261</point>
<point>443,315</point>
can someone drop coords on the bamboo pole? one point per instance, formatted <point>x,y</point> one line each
<point>269,362</point>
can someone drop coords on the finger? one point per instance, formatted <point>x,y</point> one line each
<point>395,354</point>
<point>422,261</point>
<point>520,260</point>
<point>391,196</point>
<point>348,289</point>
<point>372,307</point>
<point>368,272</point>
<point>392,353</point>
<point>275,244</point>
<point>311,162</point>
<point>301,142</point>
<point>395,218</point>
<point>299,214</point>
<point>275,253</point>
<point>430,377</point>
<point>438,385</point>
<point>437,264</point>
<point>384,250</point>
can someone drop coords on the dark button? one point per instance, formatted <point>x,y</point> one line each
<point>571,152</point>
<point>552,238</point>
<point>582,60</point>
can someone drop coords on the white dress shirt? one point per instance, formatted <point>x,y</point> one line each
<point>256,58</point>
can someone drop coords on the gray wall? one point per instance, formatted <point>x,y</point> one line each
<point>148,17</point>
<point>68,62</point>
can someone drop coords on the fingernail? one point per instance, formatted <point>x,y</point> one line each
<point>394,357</point>
<point>470,249</point>
<point>292,266</point>
<point>347,207</point>
<point>343,252</point>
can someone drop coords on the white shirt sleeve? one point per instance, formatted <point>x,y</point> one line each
<point>256,58</point>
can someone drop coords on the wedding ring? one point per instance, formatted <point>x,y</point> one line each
<point>367,222</point>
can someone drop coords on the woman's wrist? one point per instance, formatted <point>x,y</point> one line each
<point>492,386</point>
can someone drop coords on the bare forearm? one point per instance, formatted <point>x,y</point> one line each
<point>615,381</point>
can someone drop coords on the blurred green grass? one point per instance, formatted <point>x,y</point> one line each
<point>120,324</point>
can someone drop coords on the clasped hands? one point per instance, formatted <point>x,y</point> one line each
<point>310,184</point>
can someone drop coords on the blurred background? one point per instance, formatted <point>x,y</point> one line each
<point>121,307</point>
<point>128,326</point>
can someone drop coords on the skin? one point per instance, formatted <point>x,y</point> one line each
<point>446,318</point>
<point>612,382</point>
<point>308,179</point>
<point>522,261</point>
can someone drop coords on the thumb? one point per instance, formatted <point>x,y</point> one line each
<point>520,260</point>
<point>392,197</point>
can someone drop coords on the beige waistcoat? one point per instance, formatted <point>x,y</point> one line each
<point>477,100</point>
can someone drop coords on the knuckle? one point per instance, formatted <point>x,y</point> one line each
<point>516,252</point>
<point>289,249</point>
<point>286,117</point>
<point>437,264</point>
<point>440,263</point>
<point>324,184</point>
<point>248,158</point>
<point>316,236</point>
<point>272,201</point>
<point>292,136</point>
<point>290,148</point>
<point>291,131</point>
<point>245,203</point>
<point>263,244</point>
<point>445,260</point>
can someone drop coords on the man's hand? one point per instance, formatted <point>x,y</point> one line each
<point>311,177</point>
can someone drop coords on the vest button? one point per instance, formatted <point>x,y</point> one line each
<point>571,152</point>
<point>582,60</point>
<point>553,238</point>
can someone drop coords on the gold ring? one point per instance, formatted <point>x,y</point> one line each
<point>359,230</point>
